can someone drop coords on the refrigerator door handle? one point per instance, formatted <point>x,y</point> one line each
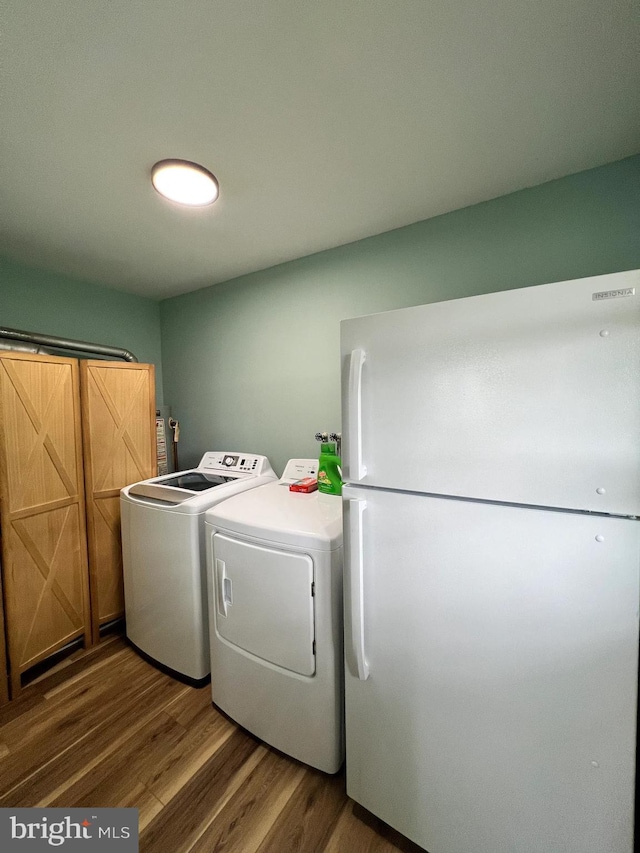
<point>356,579</point>
<point>356,470</point>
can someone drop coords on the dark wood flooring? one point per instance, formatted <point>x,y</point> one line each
<point>105,728</point>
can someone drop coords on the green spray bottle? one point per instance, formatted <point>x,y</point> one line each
<point>329,475</point>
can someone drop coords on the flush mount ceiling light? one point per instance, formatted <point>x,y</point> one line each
<point>185,182</point>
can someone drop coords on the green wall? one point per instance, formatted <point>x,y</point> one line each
<point>253,364</point>
<point>39,301</point>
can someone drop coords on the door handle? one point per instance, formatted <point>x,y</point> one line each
<point>355,568</point>
<point>356,468</point>
<point>223,583</point>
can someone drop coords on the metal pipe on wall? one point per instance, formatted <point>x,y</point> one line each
<point>14,346</point>
<point>29,338</point>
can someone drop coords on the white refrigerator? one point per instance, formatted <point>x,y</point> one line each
<point>491,450</point>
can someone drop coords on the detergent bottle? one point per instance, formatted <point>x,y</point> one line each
<point>329,476</point>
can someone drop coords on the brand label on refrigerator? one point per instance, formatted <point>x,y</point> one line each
<point>613,294</point>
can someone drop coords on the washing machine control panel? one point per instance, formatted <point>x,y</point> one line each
<point>245,463</point>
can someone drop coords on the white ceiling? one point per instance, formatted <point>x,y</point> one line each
<point>325,121</point>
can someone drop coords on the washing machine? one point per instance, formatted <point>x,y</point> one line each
<point>274,575</point>
<point>163,557</point>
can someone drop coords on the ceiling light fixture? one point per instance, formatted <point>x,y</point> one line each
<point>185,182</point>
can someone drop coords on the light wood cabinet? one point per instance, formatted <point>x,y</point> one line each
<point>44,551</point>
<point>64,424</point>
<point>118,422</point>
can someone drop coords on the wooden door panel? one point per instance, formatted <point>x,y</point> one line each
<point>48,582</point>
<point>118,413</point>
<point>109,546</point>
<point>44,554</point>
<point>4,679</point>
<point>37,410</point>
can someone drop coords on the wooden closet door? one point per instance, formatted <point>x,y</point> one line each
<point>44,554</point>
<point>4,680</point>
<point>118,420</point>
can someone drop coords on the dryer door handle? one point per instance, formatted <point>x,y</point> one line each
<point>225,591</point>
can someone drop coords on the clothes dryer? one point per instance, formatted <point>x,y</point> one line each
<point>163,557</point>
<point>274,573</point>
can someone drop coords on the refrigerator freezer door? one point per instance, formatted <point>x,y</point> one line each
<point>527,396</point>
<point>497,712</point>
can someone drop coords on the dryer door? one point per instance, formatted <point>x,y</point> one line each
<point>264,602</point>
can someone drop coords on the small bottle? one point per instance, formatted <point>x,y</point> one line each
<point>329,476</point>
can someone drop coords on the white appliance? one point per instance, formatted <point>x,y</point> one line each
<point>491,447</point>
<point>274,569</point>
<point>164,561</point>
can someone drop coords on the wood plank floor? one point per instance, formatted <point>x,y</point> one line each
<point>105,728</point>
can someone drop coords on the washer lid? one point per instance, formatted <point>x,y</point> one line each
<point>180,487</point>
<point>275,514</point>
<point>218,475</point>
